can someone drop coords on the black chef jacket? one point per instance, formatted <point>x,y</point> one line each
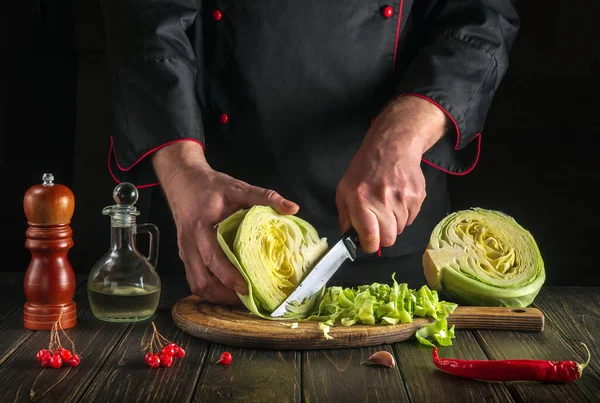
<point>281,92</point>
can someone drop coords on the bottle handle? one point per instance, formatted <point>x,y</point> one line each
<point>154,233</point>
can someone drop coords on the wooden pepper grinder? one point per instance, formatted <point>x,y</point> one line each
<point>49,280</point>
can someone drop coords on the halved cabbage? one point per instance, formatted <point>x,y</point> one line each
<point>273,252</point>
<point>484,257</point>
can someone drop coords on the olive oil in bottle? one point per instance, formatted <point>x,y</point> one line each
<point>124,303</point>
<point>123,285</point>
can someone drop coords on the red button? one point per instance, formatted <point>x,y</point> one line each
<point>387,11</point>
<point>217,15</point>
<point>223,118</point>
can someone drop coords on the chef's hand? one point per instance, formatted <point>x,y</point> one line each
<point>200,198</point>
<point>383,188</point>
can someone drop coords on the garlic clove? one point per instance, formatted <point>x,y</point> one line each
<point>383,358</point>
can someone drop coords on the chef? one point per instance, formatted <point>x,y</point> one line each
<point>345,112</point>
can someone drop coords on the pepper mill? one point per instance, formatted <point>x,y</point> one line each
<point>49,279</point>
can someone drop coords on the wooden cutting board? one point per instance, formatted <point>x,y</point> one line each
<point>236,326</point>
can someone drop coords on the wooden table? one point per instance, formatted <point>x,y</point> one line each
<point>113,369</point>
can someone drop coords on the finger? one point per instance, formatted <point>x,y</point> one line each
<point>413,210</point>
<point>220,294</point>
<point>343,215</point>
<point>411,205</point>
<point>218,264</point>
<point>249,196</point>
<point>203,284</point>
<point>387,226</point>
<point>401,214</point>
<point>366,225</point>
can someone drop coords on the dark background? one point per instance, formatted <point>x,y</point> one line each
<point>538,160</point>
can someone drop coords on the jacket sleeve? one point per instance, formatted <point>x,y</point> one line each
<point>462,57</point>
<point>153,77</point>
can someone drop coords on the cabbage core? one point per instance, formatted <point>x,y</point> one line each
<point>484,257</point>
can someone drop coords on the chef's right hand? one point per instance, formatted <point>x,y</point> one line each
<point>200,198</point>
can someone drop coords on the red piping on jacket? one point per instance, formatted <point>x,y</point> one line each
<point>397,33</point>
<point>111,151</point>
<point>478,136</point>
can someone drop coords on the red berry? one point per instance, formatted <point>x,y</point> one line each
<point>175,347</point>
<point>154,361</point>
<point>73,361</point>
<point>225,358</point>
<point>43,355</point>
<point>56,361</point>
<point>46,363</point>
<point>180,353</point>
<point>65,354</point>
<point>147,357</point>
<point>166,360</point>
<point>168,350</point>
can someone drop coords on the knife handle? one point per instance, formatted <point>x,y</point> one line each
<point>350,239</point>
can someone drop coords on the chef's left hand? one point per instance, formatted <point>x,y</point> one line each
<point>383,188</point>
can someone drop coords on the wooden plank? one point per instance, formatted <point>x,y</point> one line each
<point>11,314</point>
<point>173,289</point>
<point>425,383</point>
<point>337,375</point>
<point>253,376</point>
<point>94,340</point>
<point>574,312</point>
<point>547,345</point>
<point>126,376</point>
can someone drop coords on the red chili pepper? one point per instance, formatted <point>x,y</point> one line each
<point>512,370</point>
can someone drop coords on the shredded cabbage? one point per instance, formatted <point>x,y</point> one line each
<point>382,304</point>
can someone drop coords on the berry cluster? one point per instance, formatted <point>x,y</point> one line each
<point>57,358</point>
<point>56,355</point>
<point>164,358</point>
<point>166,351</point>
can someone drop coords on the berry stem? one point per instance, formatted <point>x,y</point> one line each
<point>162,339</point>
<point>65,333</point>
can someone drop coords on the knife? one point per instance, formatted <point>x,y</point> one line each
<point>344,249</point>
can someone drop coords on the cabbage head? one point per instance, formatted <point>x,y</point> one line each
<point>483,257</point>
<point>273,252</point>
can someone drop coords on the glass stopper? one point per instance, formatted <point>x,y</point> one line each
<point>125,193</point>
<point>48,179</point>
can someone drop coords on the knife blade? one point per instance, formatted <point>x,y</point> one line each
<point>344,249</point>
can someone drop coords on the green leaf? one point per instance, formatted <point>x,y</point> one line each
<point>438,331</point>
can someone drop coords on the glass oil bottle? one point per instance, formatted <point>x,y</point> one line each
<point>123,285</point>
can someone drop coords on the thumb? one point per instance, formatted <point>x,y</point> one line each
<point>267,197</point>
